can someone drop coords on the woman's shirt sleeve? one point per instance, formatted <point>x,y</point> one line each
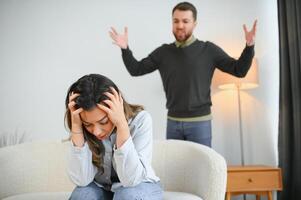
<point>133,158</point>
<point>80,167</point>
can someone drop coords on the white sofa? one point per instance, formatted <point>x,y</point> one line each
<point>37,170</point>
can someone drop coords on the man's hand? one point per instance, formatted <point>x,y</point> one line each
<point>250,35</point>
<point>119,39</point>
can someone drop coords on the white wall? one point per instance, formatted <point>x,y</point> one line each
<point>46,45</point>
<point>260,105</point>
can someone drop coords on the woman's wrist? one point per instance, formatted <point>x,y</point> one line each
<point>76,129</point>
<point>77,132</point>
<point>122,124</point>
<point>77,139</point>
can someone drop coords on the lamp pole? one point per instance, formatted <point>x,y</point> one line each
<point>240,126</point>
<point>242,155</point>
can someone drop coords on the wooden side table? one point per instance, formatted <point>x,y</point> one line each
<point>254,179</point>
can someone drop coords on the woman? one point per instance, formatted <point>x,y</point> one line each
<point>111,143</point>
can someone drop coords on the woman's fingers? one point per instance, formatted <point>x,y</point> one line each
<point>114,92</point>
<point>114,96</point>
<point>115,99</point>
<point>73,96</point>
<point>110,95</point>
<point>71,106</point>
<point>76,112</point>
<point>104,108</point>
<point>109,103</point>
<point>120,98</point>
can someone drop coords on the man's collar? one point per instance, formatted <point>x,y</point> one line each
<point>185,43</point>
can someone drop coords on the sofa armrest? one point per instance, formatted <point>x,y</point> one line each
<point>34,167</point>
<point>190,167</point>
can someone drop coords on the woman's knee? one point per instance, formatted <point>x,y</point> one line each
<point>144,191</point>
<point>127,194</point>
<point>89,192</point>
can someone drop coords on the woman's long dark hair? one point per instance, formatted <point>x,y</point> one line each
<point>91,89</point>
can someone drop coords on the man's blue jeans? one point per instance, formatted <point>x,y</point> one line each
<point>199,132</point>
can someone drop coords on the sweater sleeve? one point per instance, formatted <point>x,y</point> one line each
<point>80,167</point>
<point>133,158</point>
<point>144,66</point>
<point>225,63</point>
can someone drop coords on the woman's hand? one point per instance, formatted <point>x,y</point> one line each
<point>115,112</point>
<point>77,136</point>
<point>76,123</point>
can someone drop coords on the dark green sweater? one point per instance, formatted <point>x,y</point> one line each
<point>187,73</point>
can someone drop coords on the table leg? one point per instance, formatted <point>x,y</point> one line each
<point>270,196</point>
<point>228,196</point>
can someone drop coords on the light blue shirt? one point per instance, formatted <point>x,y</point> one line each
<point>132,161</point>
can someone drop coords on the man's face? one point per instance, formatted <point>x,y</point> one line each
<point>183,24</point>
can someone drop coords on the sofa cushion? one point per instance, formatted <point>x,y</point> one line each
<point>66,195</point>
<point>179,196</point>
<point>41,195</point>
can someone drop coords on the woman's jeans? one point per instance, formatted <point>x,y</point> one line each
<point>143,191</point>
<point>199,132</point>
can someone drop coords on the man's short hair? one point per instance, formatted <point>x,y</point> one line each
<point>184,6</point>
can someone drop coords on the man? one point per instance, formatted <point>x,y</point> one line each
<point>186,67</point>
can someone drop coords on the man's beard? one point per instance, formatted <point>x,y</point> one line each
<point>182,39</point>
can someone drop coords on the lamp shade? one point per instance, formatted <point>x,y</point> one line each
<point>227,81</point>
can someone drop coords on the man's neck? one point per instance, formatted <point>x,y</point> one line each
<point>185,43</point>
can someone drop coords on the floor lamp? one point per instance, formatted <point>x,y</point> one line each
<point>226,81</point>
